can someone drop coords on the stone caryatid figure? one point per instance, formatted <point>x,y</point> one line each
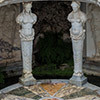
<point>27,19</point>
<point>77,32</point>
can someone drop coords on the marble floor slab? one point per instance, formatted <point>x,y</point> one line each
<point>54,91</point>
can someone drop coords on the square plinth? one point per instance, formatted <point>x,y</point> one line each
<point>78,80</point>
<point>27,81</point>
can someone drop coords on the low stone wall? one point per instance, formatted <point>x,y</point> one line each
<point>9,35</point>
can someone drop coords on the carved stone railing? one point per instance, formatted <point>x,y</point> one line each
<point>7,2</point>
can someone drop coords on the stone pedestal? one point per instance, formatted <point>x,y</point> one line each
<point>78,80</point>
<point>28,80</point>
<point>26,19</point>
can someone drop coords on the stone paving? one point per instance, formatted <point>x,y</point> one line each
<point>51,91</point>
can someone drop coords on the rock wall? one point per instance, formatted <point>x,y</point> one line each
<point>9,35</point>
<point>93,32</point>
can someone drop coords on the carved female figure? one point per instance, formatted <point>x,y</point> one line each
<point>77,19</point>
<point>26,19</point>
<point>77,32</point>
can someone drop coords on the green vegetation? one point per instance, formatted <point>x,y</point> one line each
<point>53,50</point>
<point>1,78</point>
<point>51,71</point>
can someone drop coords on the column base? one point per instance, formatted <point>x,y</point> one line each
<point>78,80</point>
<point>27,80</point>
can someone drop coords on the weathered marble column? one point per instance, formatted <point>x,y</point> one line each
<point>77,32</point>
<point>26,19</point>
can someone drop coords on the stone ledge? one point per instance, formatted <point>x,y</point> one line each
<point>7,2</point>
<point>92,68</point>
<point>92,87</point>
<point>41,92</point>
<point>10,88</point>
<point>18,85</point>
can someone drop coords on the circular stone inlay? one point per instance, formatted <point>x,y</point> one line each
<point>51,98</point>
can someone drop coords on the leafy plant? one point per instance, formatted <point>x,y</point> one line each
<point>53,50</point>
<point>43,72</point>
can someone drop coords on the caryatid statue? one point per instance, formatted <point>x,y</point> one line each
<point>77,33</point>
<point>27,19</point>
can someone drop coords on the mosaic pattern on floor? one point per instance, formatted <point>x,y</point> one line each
<point>54,91</point>
<point>52,88</point>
